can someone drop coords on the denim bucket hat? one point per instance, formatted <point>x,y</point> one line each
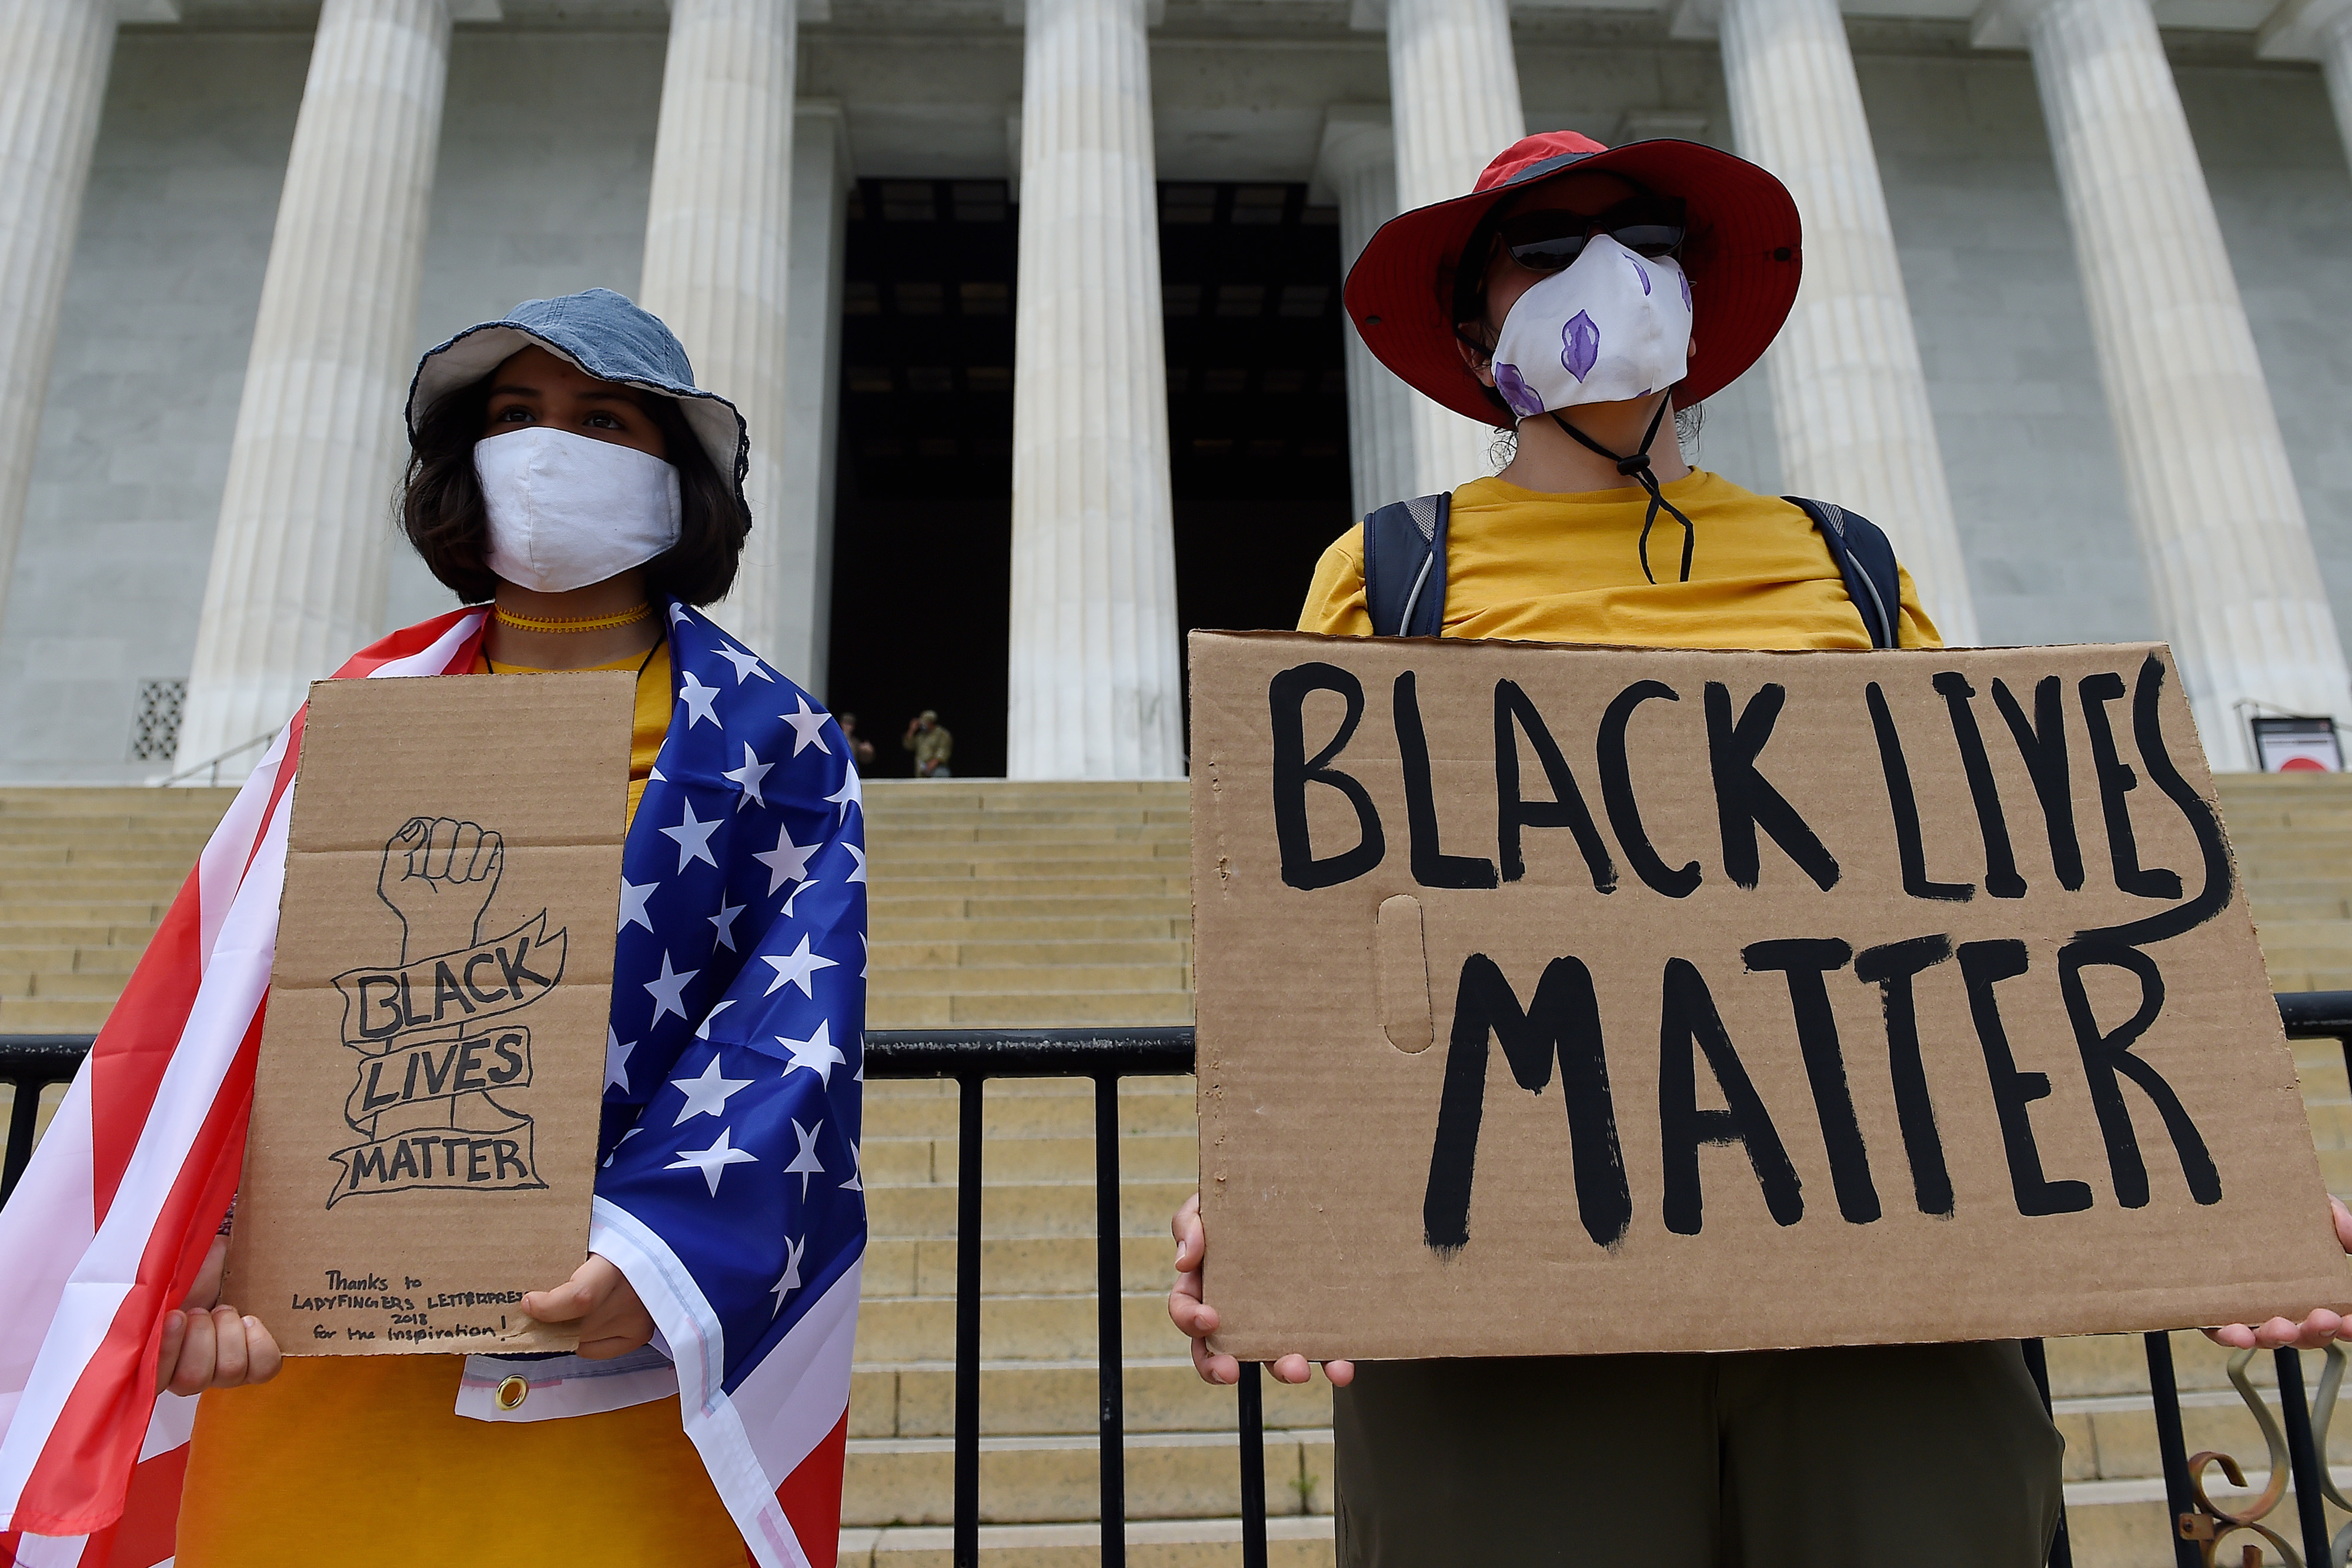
<point>608,336</point>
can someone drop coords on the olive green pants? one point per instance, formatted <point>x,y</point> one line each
<point>1875,1457</point>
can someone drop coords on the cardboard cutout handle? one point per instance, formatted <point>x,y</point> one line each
<point>1403,962</point>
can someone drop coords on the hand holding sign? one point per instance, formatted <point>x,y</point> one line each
<point>2316,1331</point>
<point>1198,1320</point>
<point>439,876</point>
<point>208,1345</point>
<point>600,1304</point>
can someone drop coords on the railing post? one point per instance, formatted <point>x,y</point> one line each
<point>967,1316</point>
<point>1110,1343</point>
<point>24,1112</point>
<point>2303,1456</point>
<point>2172,1446</point>
<point>1253,1446</point>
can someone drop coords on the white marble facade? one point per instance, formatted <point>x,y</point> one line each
<point>1930,142</point>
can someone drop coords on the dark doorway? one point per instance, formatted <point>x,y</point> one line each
<point>923,525</point>
<point>1257,397</point>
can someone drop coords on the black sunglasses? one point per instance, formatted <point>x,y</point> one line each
<point>1549,241</point>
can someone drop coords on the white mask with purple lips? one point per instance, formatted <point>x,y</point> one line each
<point>1612,326</point>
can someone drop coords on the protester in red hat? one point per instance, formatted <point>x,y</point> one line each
<point>1578,298</point>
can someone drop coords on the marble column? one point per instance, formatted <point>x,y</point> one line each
<point>800,521</point>
<point>54,56</point>
<point>1454,88</point>
<point>1096,684</point>
<point>2221,532</point>
<point>298,570</point>
<point>717,230</point>
<point>1359,166</point>
<point>1848,392</point>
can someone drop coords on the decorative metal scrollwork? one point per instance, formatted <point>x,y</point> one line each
<point>2211,1525</point>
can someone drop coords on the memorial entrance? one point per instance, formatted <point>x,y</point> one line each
<point>922,532</point>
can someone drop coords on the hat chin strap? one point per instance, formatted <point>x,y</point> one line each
<point>1637,469</point>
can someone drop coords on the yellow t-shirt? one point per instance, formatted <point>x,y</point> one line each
<point>364,1457</point>
<point>654,700</point>
<point>1565,568</point>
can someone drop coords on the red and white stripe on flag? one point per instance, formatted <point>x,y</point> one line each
<point>111,1220</point>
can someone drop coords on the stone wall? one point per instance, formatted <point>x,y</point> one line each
<point>542,189</point>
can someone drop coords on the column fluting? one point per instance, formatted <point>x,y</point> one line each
<point>2220,525</point>
<point>718,231</point>
<point>54,56</point>
<point>800,522</point>
<point>297,580</point>
<point>1849,393</point>
<point>1359,162</point>
<point>1096,687</point>
<point>1453,87</point>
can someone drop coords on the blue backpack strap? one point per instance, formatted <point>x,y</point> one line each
<point>1404,567</point>
<point>1866,558</point>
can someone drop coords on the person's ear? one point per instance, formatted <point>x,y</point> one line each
<point>1690,351</point>
<point>1479,361</point>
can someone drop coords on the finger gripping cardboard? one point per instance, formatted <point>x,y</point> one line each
<point>430,1079</point>
<point>1561,1000</point>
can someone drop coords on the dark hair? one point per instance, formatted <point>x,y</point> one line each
<point>442,513</point>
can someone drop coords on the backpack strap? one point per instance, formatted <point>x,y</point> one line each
<point>1404,567</point>
<point>1866,558</point>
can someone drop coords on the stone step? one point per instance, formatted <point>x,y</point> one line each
<point>1044,980</point>
<point>1291,1542</point>
<point>1053,1107</point>
<point>947,834</point>
<point>61,958</point>
<point>1014,1209</point>
<point>888,927</point>
<point>896,956</point>
<point>893,819</point>
<point>1173,1155</point>
<point>1012,858</point>
<point>1029,1265</point>
<point>1162,1394</point>
<point>1049,1478</point>
<point>38,884</point>
<point>1058,885</point>
<point>38,1015</point>
<point>37,933</point>
<point>1032,1011</point>
<point>983,911</point>
<point>169,855</point>
<point>109,910</point>
<point>1012,1327</point>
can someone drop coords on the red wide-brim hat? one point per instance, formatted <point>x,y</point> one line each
<point>1742,253</point>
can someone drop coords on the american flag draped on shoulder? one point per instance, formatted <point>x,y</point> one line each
<point>729,1190</point>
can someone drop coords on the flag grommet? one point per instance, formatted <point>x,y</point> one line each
<point>511,1393</point>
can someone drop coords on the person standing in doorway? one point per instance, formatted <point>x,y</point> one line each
<point>861,750</point>
<point>928,739</point>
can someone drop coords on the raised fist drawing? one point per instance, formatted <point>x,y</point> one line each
<point>439,876</point>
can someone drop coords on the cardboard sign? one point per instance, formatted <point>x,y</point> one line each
<point>431,1074</point>
<point>1570,999</point>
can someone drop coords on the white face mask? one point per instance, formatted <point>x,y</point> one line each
<point>567,510</point>
<point>1611,326</point>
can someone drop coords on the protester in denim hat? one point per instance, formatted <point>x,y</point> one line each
<point>567,470</point>
<point>624,380</point>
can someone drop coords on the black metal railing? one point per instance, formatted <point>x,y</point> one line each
<point>28,1064</point>
<point>1106,1055</point>
<point>972,1056</point>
